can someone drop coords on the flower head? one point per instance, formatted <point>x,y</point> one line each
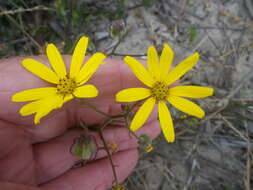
<point>158,79</point>
<point>66,85</point>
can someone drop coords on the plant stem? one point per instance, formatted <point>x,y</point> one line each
<point>94,108</point>
<point>110,120</point>
<point>100,132</point>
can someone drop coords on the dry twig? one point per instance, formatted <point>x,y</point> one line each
<point>22,10</point>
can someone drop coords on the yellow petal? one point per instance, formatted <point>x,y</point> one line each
<point>58,102</point>
<point>78,56</point>
<point>49,104</point>
<point>42,107</point>
<point>33,94</point>
<point>30,108</point>
<point>181,69</point>
<point>86,91</point>
<point>41,113</point>
<point>90,67</point>
<point>55,60</point>
<point>139,71</point>
<point>67,98</point>
<point>191,91</point>
<point>142,114</point>
<point>40,70</point>
<point>153,61</point>
<point>166,61</point>
<point>166,122</point>
<point>186,106</point>
<point>132,94</point>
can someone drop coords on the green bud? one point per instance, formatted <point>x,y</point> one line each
<point>117,28</point>
<point>84,147</point>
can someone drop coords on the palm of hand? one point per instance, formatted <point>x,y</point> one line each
<point>26,158</point>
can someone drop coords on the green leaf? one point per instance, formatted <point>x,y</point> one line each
<point>192,34</point>
<point>147,3</point>
<point>191,122</point>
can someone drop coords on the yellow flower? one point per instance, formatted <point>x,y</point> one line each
<point>65,87</point>
<point>158,79</point>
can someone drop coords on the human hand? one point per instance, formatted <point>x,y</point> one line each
<point>34,157</point>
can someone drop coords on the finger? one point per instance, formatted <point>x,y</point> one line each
<point>57,123</point>
<point>54,157</point>
<point>97,175</point>
<point>16,155</point>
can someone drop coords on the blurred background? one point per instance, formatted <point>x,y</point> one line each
<point>214,153</point>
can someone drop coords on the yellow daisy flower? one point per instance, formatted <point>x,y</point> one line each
<point>158,79</point>
<point>66,85</point>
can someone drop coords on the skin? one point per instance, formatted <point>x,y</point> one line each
<point>34,157</point>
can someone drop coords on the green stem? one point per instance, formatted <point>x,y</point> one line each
<point>94,108</point>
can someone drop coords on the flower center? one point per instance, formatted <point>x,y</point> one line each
<point>159,91</point>
<point>66,85</point>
